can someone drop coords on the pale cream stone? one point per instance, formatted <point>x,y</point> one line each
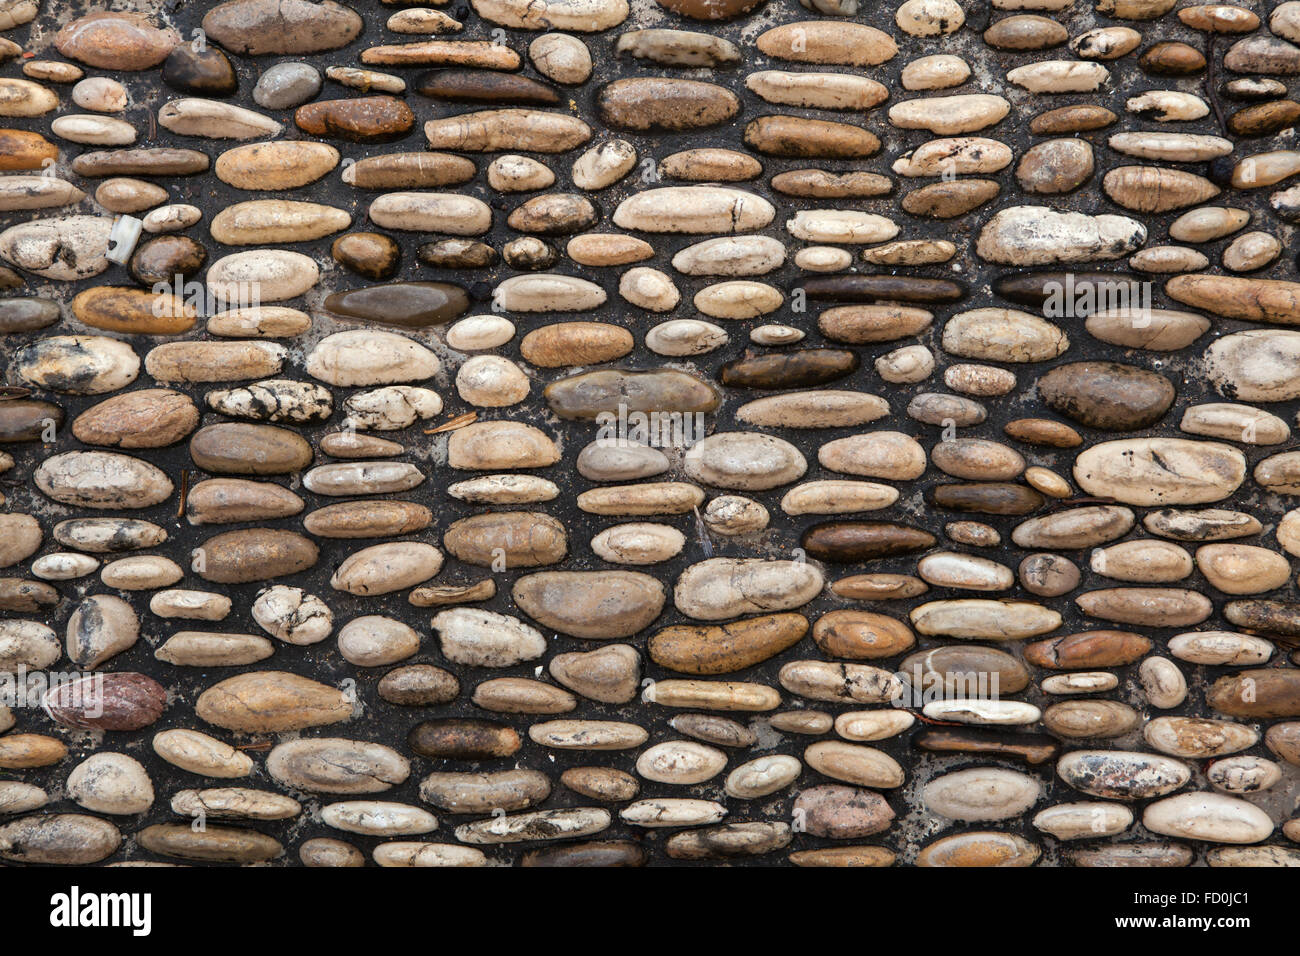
<point>936,72</point>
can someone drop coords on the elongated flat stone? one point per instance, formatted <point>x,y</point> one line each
<point>508,129</point>
<point>1160,471</point>
<point>591,604</point>
<point>1036,235</point>
<point>665,104</point>
<point>800,368</point>
<point>726,648</point>
<point>412,305</point>
<point>819,41</point>
<point>592,394</point>
<point>849,542</point>
<point>694,209</point>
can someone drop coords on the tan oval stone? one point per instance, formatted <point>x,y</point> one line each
<point>271,702</point>
<point>1160,471</point>
<point>275,165</point>
<point>1242,568</point>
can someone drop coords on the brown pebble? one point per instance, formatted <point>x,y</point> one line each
<point>861,635</point>
<point>601,783</point>
<point>665,104</point>
<point>419,685</point>
<point>1042,431</point>
<point>253,554</point>
<point>368,254</point>
<point>365,119</point>
<point>951,199</point>
<point>793,136</point>
<point>1071,119</point>
<point>28,751</point>
<point>261,702</point>
<point>1170,58</point>
<point>452,738</point>
<point>1088,650</point>
<point>1265,118</point>
<point>144,418</point>
<point>110,701</point>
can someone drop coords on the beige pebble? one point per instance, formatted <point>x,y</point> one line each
<point>511,173</point>
<point>981,793</point>
<point>93,130</point>
<point>649,289</point>
<point>964,572</point>
<point>936,72</point>
<point>561,57</point>
<point>889,455</point>
<point>950,115</point>
<point>928,18</point>
<point>680,762</point>
<point>1220,648</point>
<point>491,381</point>
<point>603,165</point>
<point>1242,569</point>
<point>738,299</point>
<point>547,293</point>
<point>1198,737</point>
<point>840,226</point>
<point>1251,251</point>
<point>1207,816</point>
<point>376,641</point>
<point>1167,106</point>
<point>1084,821</point>
<point>694,209</point>
<point>171,218</point>
<point>194,116</point>
<point>141,573</point>
<point>823,259</point>
<point>731,256</point>
<point>1059,76</point>
<point>638,543</point>
<point>1145,561</point>
<point>837,496</point>
<point>201,754</point>
<point>1083,682</point>
<point>1162,682</point>
<point>1106,43</point>
<point>101,94</point>
<point>854,764</point>
<point>1169,259</point>
<point>866,725</point>
<point>1208,223</point>
<point>206,649</point>
<point>906,366</point>
<point>480,333</point>
<point>817,90</point>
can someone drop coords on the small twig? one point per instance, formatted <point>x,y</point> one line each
<point>256,745</point>
<point>931,720</point>
<point>460,421</point>
<point>185,487</point>
<point>1211,93</point>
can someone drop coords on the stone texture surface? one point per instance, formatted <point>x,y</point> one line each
<point>941,233</point>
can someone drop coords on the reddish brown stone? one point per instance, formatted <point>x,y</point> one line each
<point>112,701</point>
<point>116,41</point>
<point>145,418</point>
<point>365,119</point>
<point>1088,650</point>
